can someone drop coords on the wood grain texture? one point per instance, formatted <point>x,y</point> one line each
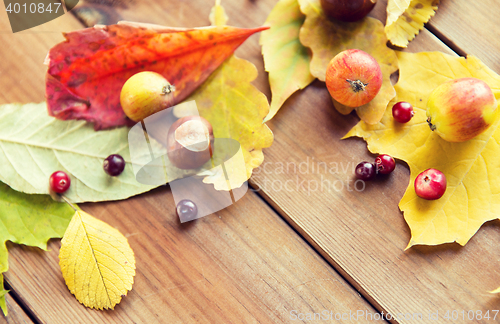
<point>247,266</point>
<point>16,313</point>
<point>362,234</point>
<point>23,54</point>
<point>241,265</point>
<point>471,26</point>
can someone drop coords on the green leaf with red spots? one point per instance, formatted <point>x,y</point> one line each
<point>87,71</point>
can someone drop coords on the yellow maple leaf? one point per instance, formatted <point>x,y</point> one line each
<point>326,38</point>
<point>285,58</point>
<point>96,261</point>
<point>473,193</point>
<point>406,18</point>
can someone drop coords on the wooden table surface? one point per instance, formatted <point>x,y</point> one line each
<point>275,253</point>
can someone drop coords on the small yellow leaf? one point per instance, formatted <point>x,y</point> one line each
<point>405,19</point>
<point>285,58</point>
<point>472,196</point>
<point>218,15</point>
<point>96,261</point>
<point>326,38</point>
<point>496,291</point>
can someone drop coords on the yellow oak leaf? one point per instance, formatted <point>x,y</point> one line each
<point>471,168</point>
<point>96,261</point>
<point>285,58</point>
<point>326,38</point>
<point>235,108</point>
<point>406,18</point>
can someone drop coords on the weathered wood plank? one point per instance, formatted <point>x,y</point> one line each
<point>471,26</point>
<point>243,264</point>
<point>16,313</point>
<point>23,54</point>
<point>363,234</point>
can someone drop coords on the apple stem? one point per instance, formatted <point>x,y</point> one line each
<point>168,89</point>
<point>357,85</point>
<point>431,125</point>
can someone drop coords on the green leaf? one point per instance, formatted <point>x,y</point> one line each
<point>285,58</point>
<point>3,304</point>
<point>31,220</point>
<point>34,145</point>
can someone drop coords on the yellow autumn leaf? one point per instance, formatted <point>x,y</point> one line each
<point>235,108</point>
<point>285,58</point>
<point>96,261</point>
<point>473,193</point>
<point>406,18</point>
<point>327,38</point>
<point>218,16</point>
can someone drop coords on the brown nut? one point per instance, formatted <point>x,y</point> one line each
<point>190,142</point>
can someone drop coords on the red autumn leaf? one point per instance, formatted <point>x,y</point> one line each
<point>87,71</point>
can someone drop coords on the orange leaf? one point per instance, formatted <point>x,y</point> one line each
<point>87,71</point>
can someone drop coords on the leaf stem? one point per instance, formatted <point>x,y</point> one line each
<point>68,202</point>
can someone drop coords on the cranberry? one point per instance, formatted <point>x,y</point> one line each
<point>430,184</point>
<point>366,171</point>
<point>385,164</point>
<point>59,182</point>
<point>186,209</point>
<point>114,165</point>
<point>402,112</point>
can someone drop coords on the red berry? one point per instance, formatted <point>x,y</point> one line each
<point>114,165</point>
<point>385,164</point>
<point>402,112</point>
<point>366,171</point>
<point>59,182</point>
<point>430,184</point>
<point>186,209</point>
